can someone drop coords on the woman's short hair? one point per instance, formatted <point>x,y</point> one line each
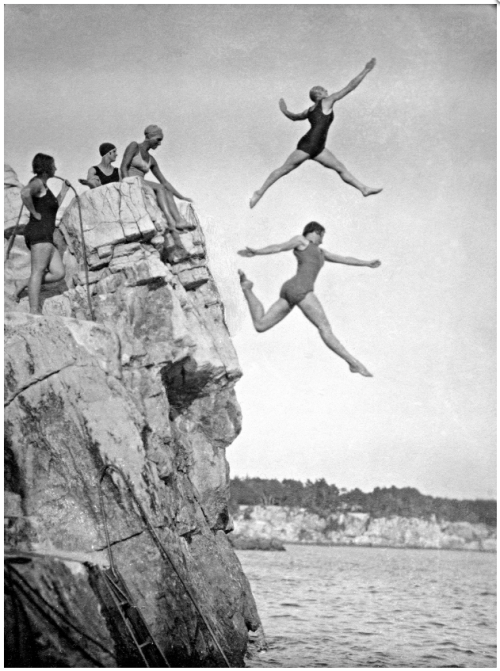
<point>313,227</point>
<point>152,129</point>
<point>42,163</point>
<point>315,92</point>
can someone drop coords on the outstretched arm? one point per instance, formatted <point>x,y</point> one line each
<point>64,190</point>
<point>161,178</point>
<point>293,243</point>
<point>352,84</point>
<point>290,115</point>
<point>349,260</point>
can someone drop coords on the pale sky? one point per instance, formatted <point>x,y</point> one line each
<point>422,125</point>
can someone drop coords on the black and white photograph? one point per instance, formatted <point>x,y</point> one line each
<point>250,335</point>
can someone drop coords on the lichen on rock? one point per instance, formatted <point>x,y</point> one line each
<point>147,387</point>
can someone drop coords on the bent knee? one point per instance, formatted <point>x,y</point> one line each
<point>325,330</point>
<point>262,326</point>
<point>59,275</point>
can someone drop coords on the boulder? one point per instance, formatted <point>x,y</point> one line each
<point>13,203</point>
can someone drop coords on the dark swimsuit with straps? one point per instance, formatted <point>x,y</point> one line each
<point>107,179</point>
<point>310,261</point>
<point>42,230</point>
<point>314,140</point>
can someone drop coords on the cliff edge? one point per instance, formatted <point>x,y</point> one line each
<point>147,387</point>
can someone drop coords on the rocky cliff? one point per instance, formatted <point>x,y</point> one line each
<point>296,525</point>
<point>148,387</point>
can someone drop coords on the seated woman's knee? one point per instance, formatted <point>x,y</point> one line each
<point>260,327</point>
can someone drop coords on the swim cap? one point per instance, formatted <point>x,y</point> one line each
<point>152,129</point>
<point>105,148</point>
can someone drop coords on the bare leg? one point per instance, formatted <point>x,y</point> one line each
<point>293,161</point>
<point>328,160</point>
<point>165,207</point>
<point>46,266</point>
<point>172,206</point>
<point>313,310</point>
<point>161,198</point>
<point>262,320</point>
<point>56,270</point>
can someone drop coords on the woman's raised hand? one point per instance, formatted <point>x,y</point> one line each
<point>374,264</point>
<point>248,252</point>
<point>282,105</point>
<point>371,64</point>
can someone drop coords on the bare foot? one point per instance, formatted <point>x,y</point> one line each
<point>184,225</point>
<point>359,368</point>
<point>255,199</point>
<point>244,281</point>
<point>371,191</point>
<point>19,287</point>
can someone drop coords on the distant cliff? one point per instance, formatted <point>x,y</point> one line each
<point>147,387</point>
<point>297,525</point>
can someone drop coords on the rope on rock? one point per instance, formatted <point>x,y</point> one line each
<point>158,543</point>
<point>18,585</point>
<point>84,247</point>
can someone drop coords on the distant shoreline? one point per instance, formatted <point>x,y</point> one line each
<point>366,547</point>
<point>263,527</point>
<point>389,547</point>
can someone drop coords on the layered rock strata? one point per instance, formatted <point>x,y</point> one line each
<point>148,387</point>
<point>297,525</point>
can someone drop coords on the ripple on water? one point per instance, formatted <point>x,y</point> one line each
<point>390,608</point>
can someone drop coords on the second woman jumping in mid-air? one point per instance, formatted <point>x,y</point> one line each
<point>312,145</point>
<point>300,289</point>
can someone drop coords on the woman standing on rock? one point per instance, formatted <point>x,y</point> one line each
<point>46,262</point>
<point>104,172</point>
<point>300,289</point>
<point>312,145</point>
<point>137,162</point>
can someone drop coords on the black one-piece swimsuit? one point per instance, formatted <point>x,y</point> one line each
<point>107,179</point>
<point>42,230</point>
<point>314,140</point>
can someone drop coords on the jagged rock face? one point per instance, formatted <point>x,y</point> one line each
<point>18,265</point>
<point>148,387</point>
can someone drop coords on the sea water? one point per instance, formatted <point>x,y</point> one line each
<point>348,607</point>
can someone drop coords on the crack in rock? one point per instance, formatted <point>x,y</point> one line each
<point>36,380</point>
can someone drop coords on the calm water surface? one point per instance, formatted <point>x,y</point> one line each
<point>374,607</point>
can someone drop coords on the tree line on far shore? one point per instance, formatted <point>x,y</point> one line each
<point>323,499</point>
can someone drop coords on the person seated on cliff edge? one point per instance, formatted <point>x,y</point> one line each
<point>104,172</point>
<point>137,162</point>
<point>299,290</point>
<point>46,261</point>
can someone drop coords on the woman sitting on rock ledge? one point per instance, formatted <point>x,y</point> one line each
<point>46,262</point>
<point>137,162</point>
<point>300,289</point>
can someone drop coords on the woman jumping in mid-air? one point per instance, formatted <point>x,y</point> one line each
<point>300,289</point>
<point>312,145</point>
